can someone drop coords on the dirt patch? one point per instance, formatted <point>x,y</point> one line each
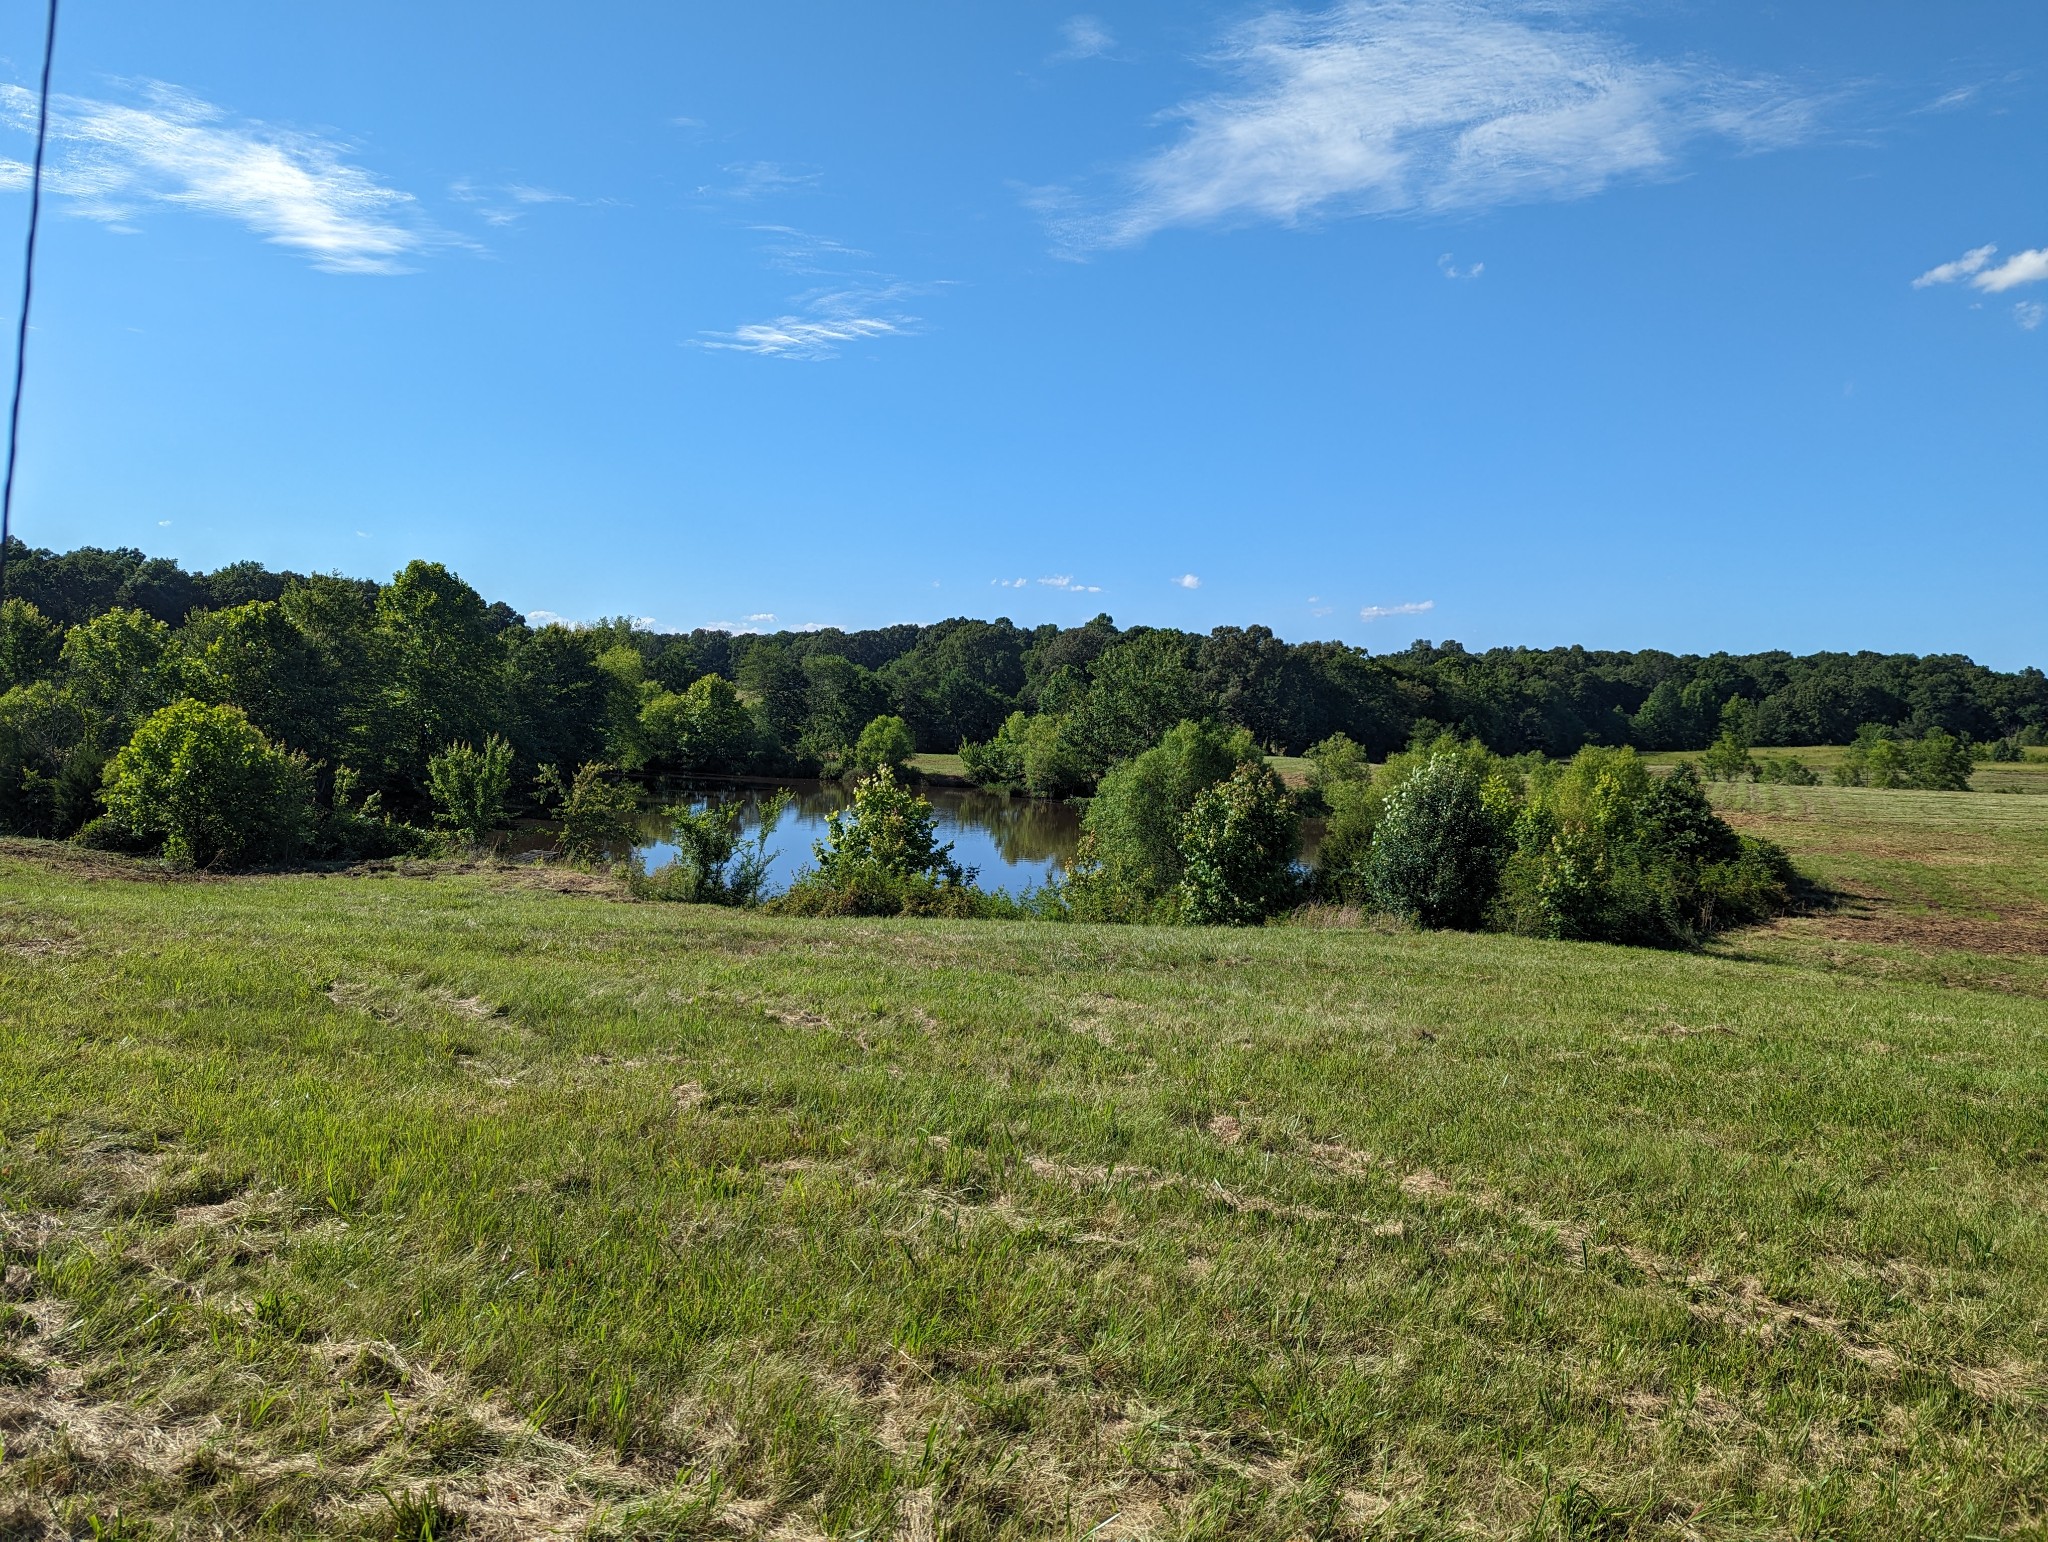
<point>1862,917</point>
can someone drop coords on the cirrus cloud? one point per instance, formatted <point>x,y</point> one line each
<point>169,150</point>
<point>1383,612</point>
<point>1400,106</point>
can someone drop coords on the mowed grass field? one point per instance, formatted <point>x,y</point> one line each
<point>483,1203</point>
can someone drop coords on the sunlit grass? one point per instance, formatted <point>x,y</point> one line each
<point>1005,1229</point>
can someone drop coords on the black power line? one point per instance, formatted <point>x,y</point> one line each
<point>28,280</point>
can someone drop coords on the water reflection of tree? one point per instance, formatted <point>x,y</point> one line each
<point>1025,831</point>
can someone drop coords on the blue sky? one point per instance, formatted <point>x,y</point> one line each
<point>1689,326</point>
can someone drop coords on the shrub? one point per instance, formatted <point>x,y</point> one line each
<point>597,814</point>
<point>1727,760</point>
<point>469,787</point>
<point>885,744</point>
<point>2005,751</point>
<point>704,728</point>
<point>713,865</point>
<point>1437,848</point>
<point>1939,762</point>
<point>1129,864</point>
<point>1604,852</point>
<point>1035,751</point>
<point>1338,761</point>
<point>1787,770</point>
<point>204,785</point>
<point>1935,762</point>
<point>355,830</point>
<point>882,857</point>
<point>1237,850</point>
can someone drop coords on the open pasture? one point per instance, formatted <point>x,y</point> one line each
<point>336,1204</point>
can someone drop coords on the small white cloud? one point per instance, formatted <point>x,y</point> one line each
<point>1009,583</point>
<point>761,618</point>
<point>1382,612</point>
<point>1085,38</point>
<point>1188,581</point>
<point>689,123</point>
<point>1064,582</point>
<point>1962,267</point>
<point>2030,314</point>
<point>2020,268</point>
<point>362,535</point>
<point>1452,270</point>
<point>548,618</point>
<point>793,337</point>
<point>163,524</point>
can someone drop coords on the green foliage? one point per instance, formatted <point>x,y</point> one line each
<point>469,786</point>
<point>598,814</point>
<point>1727,759</point>
<point>882,857</point>
<point>253,657</point>
<point>118,668</point>
<point>1035,751</point>
<point>442,667</point>
<point>1237,848</point>
<point>1787,770</point>
<point>29,644</point>
<point>1130,862</point>
<point>884,745</point>
<point>1604,851</point>
<point>204,784</point>
<point>1935,762</point>
<point>2006,751</point>
<point>713,865</point>
<point>1338,761</point>
<point>1439,840</point>
<point>704,728</point>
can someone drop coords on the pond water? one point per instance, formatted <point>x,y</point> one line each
<point>1014,843</point>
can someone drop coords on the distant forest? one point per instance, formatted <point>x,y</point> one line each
<point>376,677</point>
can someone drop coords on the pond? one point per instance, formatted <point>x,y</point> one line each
<point>1014,843</point>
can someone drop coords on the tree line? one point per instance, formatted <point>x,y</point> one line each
<point>368,681</point>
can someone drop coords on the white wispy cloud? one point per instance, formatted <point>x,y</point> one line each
<point>1083,37</point>
<point>1382,612</point>
<point>1948,272</point>
<point>1399,106</point>
<point>1188,581</point>
<point>2030,314</point>
<point>795,337</point>
<point>2020,268</point>
<point>168,149</point>
<point>1065,583</point>
<point>1452,270</point>
<point>758,179</point>
<point>1009,583</point>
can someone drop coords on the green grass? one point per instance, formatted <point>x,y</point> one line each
<point>2029,775</point>
<point>343,1205</point>
<point>949,767</point>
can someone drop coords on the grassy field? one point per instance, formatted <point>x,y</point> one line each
<point>339,1205</point>
<point>2029,775</point>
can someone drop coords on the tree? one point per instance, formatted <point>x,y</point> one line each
<point>713,865</point>
<point>469,787</point>
<point>1130,862</point>
<point>889,829</point>
<point>203,782</point>
<point>443,668</point>
<point>885,744</point>
<point>254,658</point>
<point>1727,760</point>
<point>705,728</point>
<point>119,667</point>
<point>598,816</point>
<point>1437,850</point>
<point>1939,762</point>
<point>29,644</point>
<point>1237,846</point>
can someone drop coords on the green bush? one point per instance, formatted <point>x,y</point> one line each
<point>704,728</point>
<point>1787,770</point>
<point>1237,846</point>
<point>1437,848</point>
<point>882,857</point>
<point>204,786</point>
<point>1605,852</point>
<point>469,787</point>
<point>713,865</point>
<point>1129,864</point>
<point>1727,760</point>
<point>885,744</point>
<point>1936,762</point>
<point>598,815</point>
